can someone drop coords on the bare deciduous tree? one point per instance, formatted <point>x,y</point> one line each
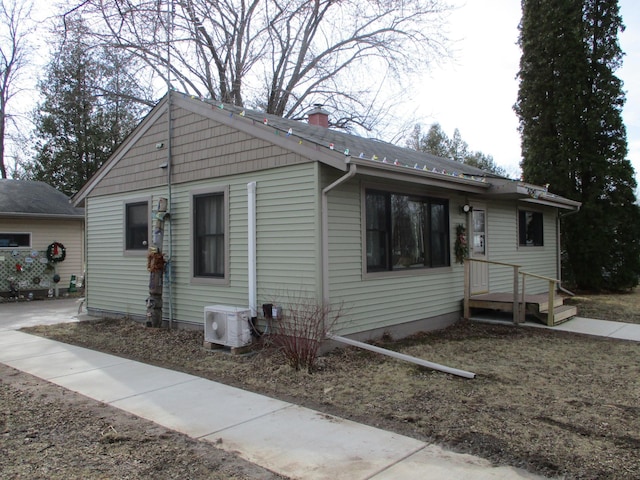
<point>279,55</point>
<point>15,26</point>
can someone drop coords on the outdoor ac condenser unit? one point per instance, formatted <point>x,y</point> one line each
<point>227,325</point>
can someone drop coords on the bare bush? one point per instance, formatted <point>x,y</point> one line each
<point>301,329</point>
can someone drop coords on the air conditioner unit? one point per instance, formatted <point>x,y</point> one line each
<point>227,325</point>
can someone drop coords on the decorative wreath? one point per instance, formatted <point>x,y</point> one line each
<point>461,246</point>
<point>56,252</point>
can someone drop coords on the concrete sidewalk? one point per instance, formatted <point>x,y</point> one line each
<point>600,328</point>
<point>580,325</point>
<point>17,315</point>
<point>287,439</point>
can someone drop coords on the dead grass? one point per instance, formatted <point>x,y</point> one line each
<point>549,401</point>
<point>617,307</point>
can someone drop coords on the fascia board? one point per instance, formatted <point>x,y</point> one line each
<point>407,174</point>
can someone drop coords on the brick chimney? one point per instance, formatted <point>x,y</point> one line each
<point>319,116</point>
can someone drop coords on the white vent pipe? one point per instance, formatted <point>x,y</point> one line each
<point>402,356</point>
<point>251,241</point>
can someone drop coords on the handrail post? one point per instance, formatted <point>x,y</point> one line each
<point>515,294</point>
<point>467,288</point>
<point>552,303</point>
<point>523,305</point>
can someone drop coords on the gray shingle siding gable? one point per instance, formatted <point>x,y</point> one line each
<point>202,148</point>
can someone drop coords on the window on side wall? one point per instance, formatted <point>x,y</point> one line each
<point>530,230</point>
<point>15,240</point>
<point>137,226</point>
<point>406,231</point>
<point>209,235</point>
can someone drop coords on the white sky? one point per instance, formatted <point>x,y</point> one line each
<point>477,91</point>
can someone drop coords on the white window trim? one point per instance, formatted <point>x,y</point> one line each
<point>224,281</point>
<point>18,233</point>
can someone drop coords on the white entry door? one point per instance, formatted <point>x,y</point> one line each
<point>479,270</point>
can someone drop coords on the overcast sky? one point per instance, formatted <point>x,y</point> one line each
<point>476,93</point>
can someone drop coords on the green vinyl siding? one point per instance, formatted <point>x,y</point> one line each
<point>115,282</point>
<point>288,245</point>
<point>378,302</point>
<point>502,228</point>
<point>286,232</point>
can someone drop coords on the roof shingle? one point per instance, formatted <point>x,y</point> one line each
<point>23,197</point>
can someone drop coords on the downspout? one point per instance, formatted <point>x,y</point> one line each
<point>559,250</point>
<point>403,357</point>
<point>251,242</point>
<point>325,287</point>
<point>325,229</point>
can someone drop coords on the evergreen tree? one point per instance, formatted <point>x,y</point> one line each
<point>458,148</point>
<point>569,106</point>
<point>85,113</point>
<point>437,142</point>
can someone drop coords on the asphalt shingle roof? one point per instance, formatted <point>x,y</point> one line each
<point>23,197</point>
<point>356,146</point>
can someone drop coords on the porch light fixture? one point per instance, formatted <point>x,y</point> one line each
<point>466,208</point>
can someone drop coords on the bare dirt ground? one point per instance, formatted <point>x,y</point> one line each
<point>47,432</point>
<point>555,403</point>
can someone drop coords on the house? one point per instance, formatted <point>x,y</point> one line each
<point>263,208</point>
<point>37,222</point>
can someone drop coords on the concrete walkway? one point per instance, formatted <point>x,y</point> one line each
<point>583,326</point>
<point>285,438</point>
<point>600,328</point>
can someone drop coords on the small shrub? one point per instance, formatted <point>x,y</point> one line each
<point>303,327</point>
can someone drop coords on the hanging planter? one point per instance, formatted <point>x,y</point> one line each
<point>56,252</point>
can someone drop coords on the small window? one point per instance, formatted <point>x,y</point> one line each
<point>209,235</point>
<point>530,229</point>
<point>405,231</point>
<point>13,240</point>
<point>137,226</point>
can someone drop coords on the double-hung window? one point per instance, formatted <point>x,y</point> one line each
<point>406,231</point>
<point>209,235</point>
<point>530,231</point>
<point>136,226</point>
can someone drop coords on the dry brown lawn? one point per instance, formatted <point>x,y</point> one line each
<point>556,403</point>
<point>621,307</point>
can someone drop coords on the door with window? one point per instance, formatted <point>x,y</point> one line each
<point>478,250</point>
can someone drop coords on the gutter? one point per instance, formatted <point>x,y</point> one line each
<point>559,250</point>
<point>325,228</point>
